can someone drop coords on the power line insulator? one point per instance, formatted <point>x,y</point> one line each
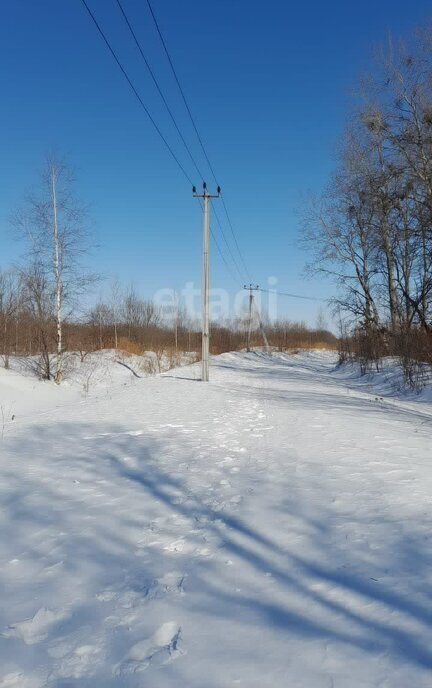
<point>194,189</point>
<point>218,189</point>
<point>204,186</point>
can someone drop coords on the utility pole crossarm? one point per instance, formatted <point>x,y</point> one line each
<point>206,243</point>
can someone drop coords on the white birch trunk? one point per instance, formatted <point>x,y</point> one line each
<point>58,280</point>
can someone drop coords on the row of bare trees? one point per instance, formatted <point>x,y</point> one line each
<point>42,316</point>
<point>125,321</point>
<point>123,315</point>
<point>371,230</point>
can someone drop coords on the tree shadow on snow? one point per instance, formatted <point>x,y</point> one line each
<point>83,524</point>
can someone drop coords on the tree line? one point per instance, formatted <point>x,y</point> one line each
<point>42,297</point>
<point>371,229</point>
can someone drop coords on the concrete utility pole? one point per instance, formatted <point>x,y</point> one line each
<point>251,288</point>
<point>206,242</point>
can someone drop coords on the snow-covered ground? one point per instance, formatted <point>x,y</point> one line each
<point>270,529</point>
<point>95,374</point>
<point>388,381</point>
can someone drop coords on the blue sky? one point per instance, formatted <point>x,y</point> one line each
<point>268,84</point>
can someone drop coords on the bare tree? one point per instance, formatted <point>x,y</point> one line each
<point>101,317</point>
<point>39,300</point>
<point>54,226</point>
<point>338,232</point>
<point>372,230</point>
<point>139,313</point>
<point>11,299</point>
<point>116,296</point>
<point>321,321</point>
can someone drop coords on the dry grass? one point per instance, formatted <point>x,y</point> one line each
<point>129,347</point>
<point>322,346</point>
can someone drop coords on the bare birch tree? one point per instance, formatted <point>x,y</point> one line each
<point>53,224</point>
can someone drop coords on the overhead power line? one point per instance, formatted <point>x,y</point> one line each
<point>156,83</point>
<point>213,235</point>
<point>134,90</point>
<point>234,236</point>
<point>201,143</point>
<point>159,132</point>
<point>150,117</point>
<point>227,265</point>
<point>233,258</point>
<point>293,296</point>
<point>181,90</point>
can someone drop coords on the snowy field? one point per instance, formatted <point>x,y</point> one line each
<point>270,529</point>
<point>97,373</point>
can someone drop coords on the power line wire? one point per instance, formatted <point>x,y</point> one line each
<point>137,95</point>
<point>293,296</point>
<point>234,278</point>
<point>226,242</point>
<point>150,117</point>
<point>147,111</point>
<point>156,83</point>
<point>228,267</point>
<point>181,90</point>
<point>235,238</point>
<point>195,129</point>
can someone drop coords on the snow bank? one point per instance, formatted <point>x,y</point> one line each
<point>96,373</point>
<point>387,382</point>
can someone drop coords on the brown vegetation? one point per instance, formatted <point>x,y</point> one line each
<point>33,333</point>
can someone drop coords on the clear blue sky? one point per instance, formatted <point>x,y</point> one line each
<point>268,83</point>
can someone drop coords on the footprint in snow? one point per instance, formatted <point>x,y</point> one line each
<point>162,647</point>
<point>64,645</point>
<point>177,546</point>
<point>237,499</point>
<point>170,582</point>
<point>32,631</point>
<point>81,661</point>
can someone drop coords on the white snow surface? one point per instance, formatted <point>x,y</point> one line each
<point>269,529</point>
<point>97,373</point>
<point>388,381</point>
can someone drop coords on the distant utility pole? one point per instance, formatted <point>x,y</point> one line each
<point>206,242</point>
<point>251,288</point>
